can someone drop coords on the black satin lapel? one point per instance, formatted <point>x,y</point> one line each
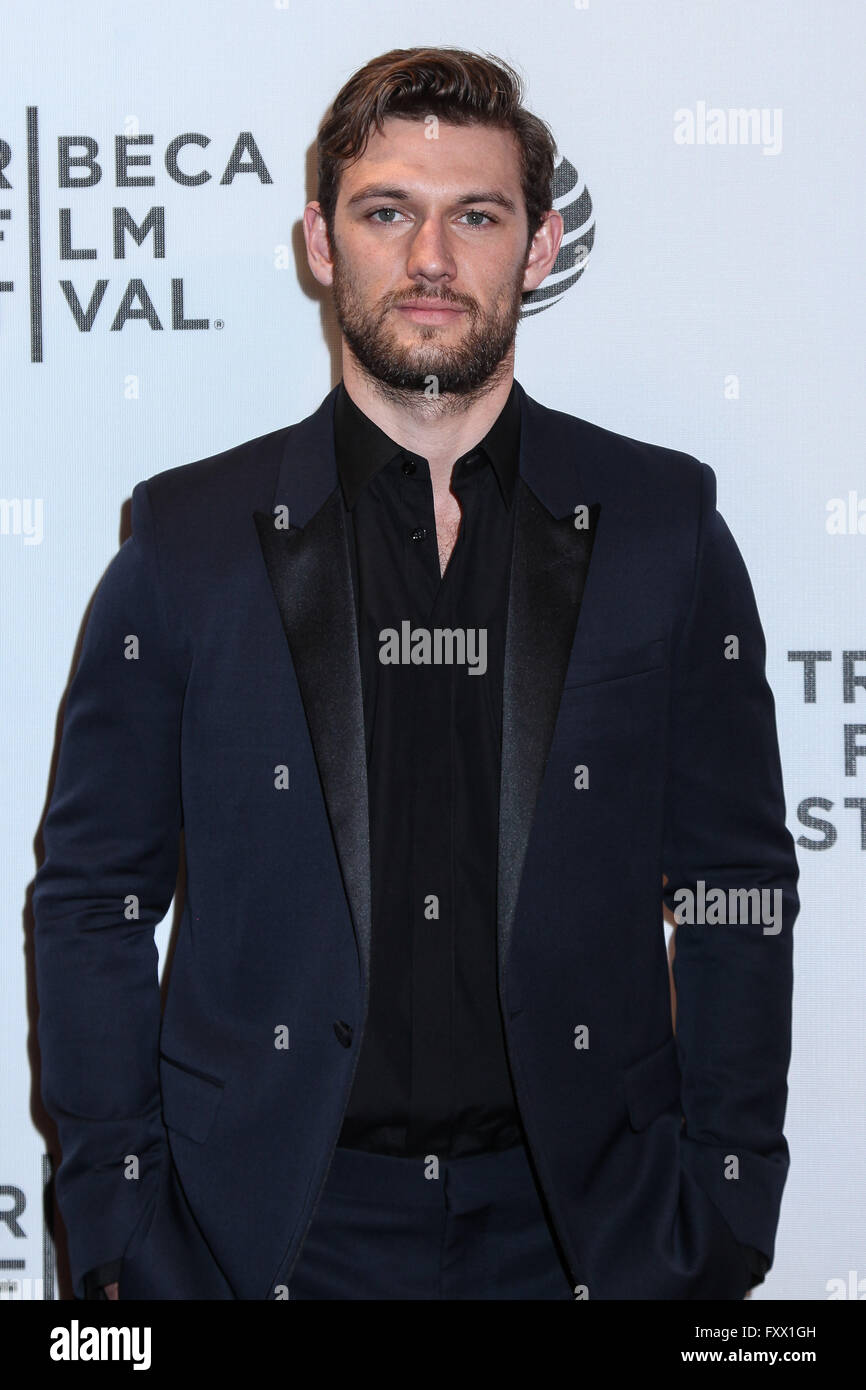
<point>310,573</point>
<point>548,573</point>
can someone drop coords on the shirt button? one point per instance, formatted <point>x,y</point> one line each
<point>409,467</point>
<point>420,533</point>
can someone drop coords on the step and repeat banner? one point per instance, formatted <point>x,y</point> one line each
<point>156,308</point>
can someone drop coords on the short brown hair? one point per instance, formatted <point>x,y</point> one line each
<point>455,86</point>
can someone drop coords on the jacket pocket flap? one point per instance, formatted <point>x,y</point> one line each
<point>652,1084</point>
<point>190,1098</point>
<point>628,661</point>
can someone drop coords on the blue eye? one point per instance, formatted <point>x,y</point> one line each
<point>472,212</point>
<point>376,212</point>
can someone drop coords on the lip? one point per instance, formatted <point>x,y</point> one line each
<point>431,311</point>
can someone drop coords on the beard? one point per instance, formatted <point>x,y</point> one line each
<point>470,367</point>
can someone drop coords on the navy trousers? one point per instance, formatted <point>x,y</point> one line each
<point>383,1229</point>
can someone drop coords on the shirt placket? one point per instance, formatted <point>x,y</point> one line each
<point>432,906</point>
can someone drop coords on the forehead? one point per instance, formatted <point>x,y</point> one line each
<point>437,151</point>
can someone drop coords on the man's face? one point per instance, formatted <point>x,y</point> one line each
<point>429,254</point>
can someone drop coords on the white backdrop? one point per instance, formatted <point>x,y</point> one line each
<point>720,312</point>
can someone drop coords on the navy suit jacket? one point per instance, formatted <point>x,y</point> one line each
<point>218,692</point>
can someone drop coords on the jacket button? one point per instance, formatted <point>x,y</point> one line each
<point>343,1032</point>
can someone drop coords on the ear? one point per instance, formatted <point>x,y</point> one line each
<point>319,255</point>
<point>543,250</point>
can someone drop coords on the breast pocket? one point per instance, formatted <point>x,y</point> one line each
<point>621,664</point>
<point>609,739</point>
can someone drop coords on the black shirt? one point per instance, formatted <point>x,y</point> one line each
<point>433,1074</point>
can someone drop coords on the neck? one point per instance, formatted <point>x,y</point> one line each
<point>439,428</point>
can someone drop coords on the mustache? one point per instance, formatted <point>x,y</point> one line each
<point>444,299</point>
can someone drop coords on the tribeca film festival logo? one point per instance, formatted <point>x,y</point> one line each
<point>716,125</point>
<point>90,169</point>
<point>824,679</point>
<point>20,1221</point>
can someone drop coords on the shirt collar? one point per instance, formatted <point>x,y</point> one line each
<point>362,448</point>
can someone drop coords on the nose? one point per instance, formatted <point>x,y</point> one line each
<point>430,254</point>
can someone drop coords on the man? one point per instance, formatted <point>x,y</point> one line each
<point>442,686</point>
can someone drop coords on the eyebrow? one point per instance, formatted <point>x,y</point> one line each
<point>402,195</point>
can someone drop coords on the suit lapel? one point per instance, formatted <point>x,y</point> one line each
<point>548,573</point>
<point>309,568</point>
<point>549,569</point>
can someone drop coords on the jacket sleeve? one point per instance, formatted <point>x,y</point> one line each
<point>725,825</point>
<point>111,838</point>
<point>97,1280</point>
